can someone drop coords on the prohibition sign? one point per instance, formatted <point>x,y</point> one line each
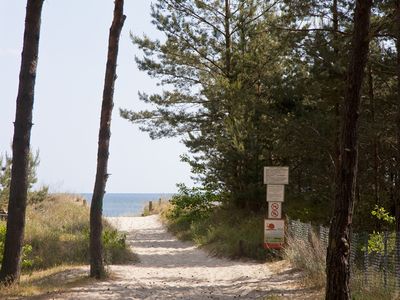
<point>274,206</point>
<point>274,213</point>
<point>275,209</point>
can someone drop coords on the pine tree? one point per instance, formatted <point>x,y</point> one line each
<point>11,264</point>
<point>338,255</point>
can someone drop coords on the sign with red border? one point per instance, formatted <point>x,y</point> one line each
<point>274,233</point>
<point>274,210</point>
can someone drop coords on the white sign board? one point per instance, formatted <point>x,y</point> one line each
<point>275,193</point>
<point>276,175</point>
<point>274,210</point>
<point>274,233</point>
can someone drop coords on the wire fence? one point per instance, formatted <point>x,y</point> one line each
<point>373,260</point>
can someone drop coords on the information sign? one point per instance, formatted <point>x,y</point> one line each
<point>274,234</point>
<point>276,175</point>
<point>275,193</point>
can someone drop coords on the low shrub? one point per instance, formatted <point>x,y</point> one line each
<point>26,249</point>
<point>196,214</point>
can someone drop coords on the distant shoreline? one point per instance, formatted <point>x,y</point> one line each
<point>126,204</point>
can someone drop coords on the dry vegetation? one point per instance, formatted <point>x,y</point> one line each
<point>308,256</point>
<point>57,239</point>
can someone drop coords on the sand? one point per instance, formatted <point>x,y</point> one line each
<point>172,269</point>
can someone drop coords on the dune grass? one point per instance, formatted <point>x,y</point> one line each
<point>309,256</point>
<point>45,282</point>
<point>57,245</point>
<point>157,207</point>
<point>224,232</point>
<point>58,231</point>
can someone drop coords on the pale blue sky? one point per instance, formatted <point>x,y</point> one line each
<point>73,47</point>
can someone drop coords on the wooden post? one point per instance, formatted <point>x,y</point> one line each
<point>150,206</point>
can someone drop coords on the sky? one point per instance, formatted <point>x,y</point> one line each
<point>69,85</point>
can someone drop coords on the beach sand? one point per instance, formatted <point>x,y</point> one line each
<point>172,269</point>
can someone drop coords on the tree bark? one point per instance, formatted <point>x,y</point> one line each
<point>228,39</point>
<point>11,265</point>
<point>397,172</point>
<point>338,255</point>
<point>96,248</point>
<point>371,96</point>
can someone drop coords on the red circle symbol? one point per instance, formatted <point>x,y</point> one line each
<point>271,226</point>
<point>274,213</point>
<point>275,206</point>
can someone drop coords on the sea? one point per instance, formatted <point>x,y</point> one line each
<point>126,204</point>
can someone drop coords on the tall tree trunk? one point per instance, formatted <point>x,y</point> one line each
<point>371,97</point>
<point>336,91</point>
<point>228,39</point>
<point>11,265</point>
<point>96,207</point>
<point>335,27</point>
<point>397,173</point>
<point>338,255</point>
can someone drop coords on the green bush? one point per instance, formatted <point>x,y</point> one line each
<point>224,231</point>
<point>192,204</point>
<point>58,231</point>
<point>5,179</point>
<point>27,261</point>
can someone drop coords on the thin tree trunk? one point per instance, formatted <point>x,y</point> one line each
<point>96,207</point>
<point>371,97</point>
<point>397,175</point>
<point>338,255</point>
<point>335,27</point>
<point>228,40</point>
<point>11,265</point>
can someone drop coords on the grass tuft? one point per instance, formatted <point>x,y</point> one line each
<point>223,232</point>
<point>309,256</point>
<point>45,282</point>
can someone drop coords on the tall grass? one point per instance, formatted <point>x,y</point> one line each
<point>157,207</point>
<point>57,230</point>
<point>222,231</point>
<point>307,255</point>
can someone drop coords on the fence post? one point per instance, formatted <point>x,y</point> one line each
<point>150,206</point>
<point>385,259</point>
<point>366,260</point>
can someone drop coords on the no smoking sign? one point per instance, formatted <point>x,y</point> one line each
<point>275,210</point>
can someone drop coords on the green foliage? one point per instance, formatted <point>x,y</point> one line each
<point>264,86</point>
<point>35,197</point>
<point>228,102</point>
<point>376,239</point>
<point>228,232</point>
<point>115,247</point>
<point>57,230</point>
<point>27,261</point>
<point>381,214</point>
<point>5,180</point>
<point>192,204</point>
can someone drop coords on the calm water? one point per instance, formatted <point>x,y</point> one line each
<point>118,205</point>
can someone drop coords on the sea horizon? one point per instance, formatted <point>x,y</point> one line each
<point>126,204</point>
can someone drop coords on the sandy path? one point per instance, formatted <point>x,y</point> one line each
<point>171,269</point>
